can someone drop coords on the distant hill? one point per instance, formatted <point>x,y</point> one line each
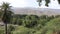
<point>36,11</point>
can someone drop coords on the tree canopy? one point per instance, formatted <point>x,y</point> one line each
<point>5,7</point>
<point>46,2</point>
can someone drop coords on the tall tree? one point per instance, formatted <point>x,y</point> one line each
<point>47,2</point>
<point>7,13</point>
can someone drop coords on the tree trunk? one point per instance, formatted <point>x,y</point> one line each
<point>6,28</point>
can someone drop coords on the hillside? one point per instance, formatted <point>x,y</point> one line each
<point>37,11</point>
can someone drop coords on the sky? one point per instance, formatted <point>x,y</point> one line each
<point>31,3</point>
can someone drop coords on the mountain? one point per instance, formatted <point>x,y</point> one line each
<point>36,11</point>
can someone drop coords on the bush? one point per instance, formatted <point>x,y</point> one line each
<point>23,30</point>
<point>10,29</point>
<point>52,27</point>
<point>2,31</point>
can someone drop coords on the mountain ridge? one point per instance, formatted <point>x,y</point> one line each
<point>36,11</point>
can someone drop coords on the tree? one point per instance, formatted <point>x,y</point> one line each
<point>47,2</point>
<point>7,14</point>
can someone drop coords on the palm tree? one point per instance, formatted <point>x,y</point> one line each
<point>7,13</point>
<point>47,2</point>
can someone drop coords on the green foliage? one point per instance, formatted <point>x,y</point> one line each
<point>43,17</point>
<point>2,30</point>
<point>32,24</point>
<point>57,16</point>
<point>27,21</point>
<point>7,13</point>
<point>54,23</point>
<point>0,14</point>
<point>43,21</point>
<point>52,26</point>
<point>23,30</point>
<point>10,29</point>
<point>46,2</point>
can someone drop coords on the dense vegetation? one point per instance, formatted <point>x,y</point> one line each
<point>32,24</point>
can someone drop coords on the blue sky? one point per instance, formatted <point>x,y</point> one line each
<point>30,3</point>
